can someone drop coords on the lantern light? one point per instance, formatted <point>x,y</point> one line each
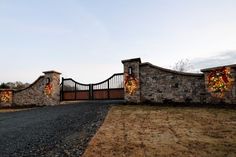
<point>130,70</point>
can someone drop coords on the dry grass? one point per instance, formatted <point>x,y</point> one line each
<point>139,131</point>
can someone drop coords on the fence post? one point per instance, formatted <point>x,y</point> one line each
<point>108,90</point>
<point>62,87</point>
<point>91,91</point>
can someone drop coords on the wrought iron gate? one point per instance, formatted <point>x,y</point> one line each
<point>111,88</point>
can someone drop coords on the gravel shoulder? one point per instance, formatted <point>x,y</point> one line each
<point>63,130</point>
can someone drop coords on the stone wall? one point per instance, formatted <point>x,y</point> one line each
<point>44,91</point>
<point>36,93</point>
<point>160,85</point>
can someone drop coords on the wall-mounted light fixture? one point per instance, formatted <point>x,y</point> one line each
<point>130,70</point>
<point>48,81</point>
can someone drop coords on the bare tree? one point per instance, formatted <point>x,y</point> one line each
<point>183,65</point>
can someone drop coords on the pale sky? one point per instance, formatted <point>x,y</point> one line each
<point>87,39</point>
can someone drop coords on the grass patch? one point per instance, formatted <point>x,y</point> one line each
<point>138,131</point>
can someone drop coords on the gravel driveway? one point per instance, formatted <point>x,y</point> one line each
<point>63,130</point>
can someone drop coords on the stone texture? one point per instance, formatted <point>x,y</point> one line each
<point>162,85</point>
<point>34,94</point>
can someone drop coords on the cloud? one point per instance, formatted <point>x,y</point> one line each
<point>225,58</point>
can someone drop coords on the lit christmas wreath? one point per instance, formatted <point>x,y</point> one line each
<point>131,84</point>
<point>220,81</point>
<point>48,89</point>
<point>6,96</point>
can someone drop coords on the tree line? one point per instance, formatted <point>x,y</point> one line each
<point>14,85</point>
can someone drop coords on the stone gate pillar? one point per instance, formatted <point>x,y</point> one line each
<point>132,80</point>
<point>52,87</point>
<point>220,84</point>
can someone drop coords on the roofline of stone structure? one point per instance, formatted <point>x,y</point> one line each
<point>131,60</point>
<point>52,71</point>
<point>173,71</point>
<point>218,67</point>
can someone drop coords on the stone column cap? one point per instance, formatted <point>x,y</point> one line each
<point>51,71</point>
<point>132,60</point>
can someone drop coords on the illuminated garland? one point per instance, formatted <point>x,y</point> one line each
<point>48,90</point>
<point>219,81</point>
<point>6,96</point>
<point>131,84</point>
